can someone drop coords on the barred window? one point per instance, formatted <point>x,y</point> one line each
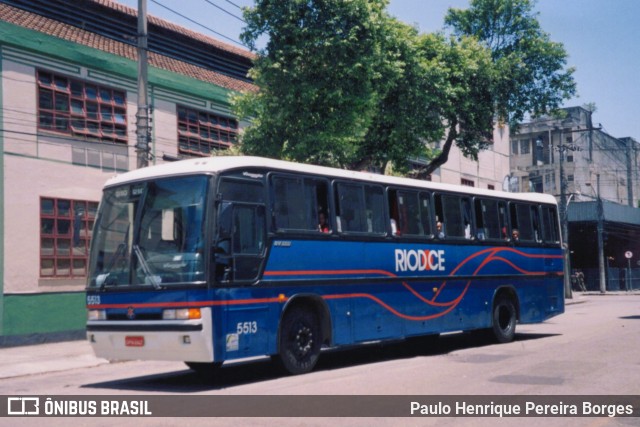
<point>200,132</point>
<point>65,232</point>
<point>81,109</point>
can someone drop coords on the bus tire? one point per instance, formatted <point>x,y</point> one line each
<point>504,318</point>
<point>300,340</point>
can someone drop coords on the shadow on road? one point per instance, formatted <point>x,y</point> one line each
<point>236,374</point>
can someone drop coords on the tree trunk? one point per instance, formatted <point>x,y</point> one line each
<point>441,159</point>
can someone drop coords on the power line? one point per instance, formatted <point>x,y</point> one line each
<point>199,24</point>
<point>225,11</point>
<point>232,3</point>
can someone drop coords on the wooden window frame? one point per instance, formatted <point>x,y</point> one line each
<point>81,109</point>
<point>201,132</point>
<point>66,226</point>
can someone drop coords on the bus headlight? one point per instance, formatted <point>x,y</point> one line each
<point>96,315</point>
<point>181,314</point>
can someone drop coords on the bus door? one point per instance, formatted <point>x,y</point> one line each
<point>239,255</point>
<point>240,242</point>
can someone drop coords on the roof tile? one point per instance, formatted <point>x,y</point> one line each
<point>73,34</point>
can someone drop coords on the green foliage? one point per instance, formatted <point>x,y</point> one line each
<point>342,83</point>
<point>530,69</point>
<point>320,78</point>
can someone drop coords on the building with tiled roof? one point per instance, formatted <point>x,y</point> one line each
<point>68,102</point>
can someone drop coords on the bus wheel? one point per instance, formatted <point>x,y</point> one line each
<point>300,340</point>
<point>504,319</point>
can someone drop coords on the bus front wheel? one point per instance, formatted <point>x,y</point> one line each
<point>504,319</point>
<point>300,340</point>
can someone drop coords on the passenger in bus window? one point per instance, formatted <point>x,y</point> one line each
<point>515,235</point>
<point>439,230</point>
<point>323,226</point>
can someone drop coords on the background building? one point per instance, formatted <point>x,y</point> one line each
<point>595,178</point>
<point>68,101</point>
<point>490,170</point>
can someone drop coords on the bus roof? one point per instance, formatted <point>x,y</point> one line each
<point>228,163</point>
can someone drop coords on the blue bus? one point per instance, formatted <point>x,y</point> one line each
<point>222,258</point>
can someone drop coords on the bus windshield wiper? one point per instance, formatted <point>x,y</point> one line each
<point>103,279</point>
<point>149,276</point>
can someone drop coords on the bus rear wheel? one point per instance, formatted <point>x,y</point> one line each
<point>300,340</point>
<point>504,319</point>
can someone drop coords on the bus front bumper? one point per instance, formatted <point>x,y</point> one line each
<point>172,340</point>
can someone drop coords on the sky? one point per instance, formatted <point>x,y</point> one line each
<point>602,40</point>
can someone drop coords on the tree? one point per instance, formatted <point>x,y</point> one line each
<point>320,78</point>
<point>344,84</point>
<point>467,106</point>
<point>527,76</point>
<point>531,73</point>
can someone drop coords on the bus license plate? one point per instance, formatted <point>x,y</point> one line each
<point>134,341</point>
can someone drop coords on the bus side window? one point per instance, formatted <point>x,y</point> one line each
<point>425,214</point>
<point>522,221</point>
<point>483,229</point>
<point>409,213</point>
<point>350,201</point>
<point>466,218</point>
<point>535,222</point>
<point>440,231</point>
<point>503,221</point>
<point>550,225</point>
<point>456,215</point>
<point>491,219</point>
<point>360,208</point>
<point>288,212</point>
<point>394,216</point>
<point>298,202</point>
<point>374,205</point>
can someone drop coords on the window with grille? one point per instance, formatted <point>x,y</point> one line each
<point>77,108</point>
<point>200,132</point>
<point>65,233</point>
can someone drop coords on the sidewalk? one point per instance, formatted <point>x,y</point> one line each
<point>41,358</point>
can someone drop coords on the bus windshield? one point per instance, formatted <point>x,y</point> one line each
<point>162,244</point>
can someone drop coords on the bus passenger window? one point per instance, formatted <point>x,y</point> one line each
<point>409,213</point>
<point>425,214</point>
<point>521,219</point>
<point>550,225</point>
<point>455,218</point>
<point>374,202</point>
<point>491,220</point>
<point>393,212</point>
<point>360,208</point>
<point>466,219</point>
<point>535,221</point>
<point>297,203</point>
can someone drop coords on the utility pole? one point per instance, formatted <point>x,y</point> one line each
<point>564,220</point>
<point>142,115</point>
<point>603,280</point>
